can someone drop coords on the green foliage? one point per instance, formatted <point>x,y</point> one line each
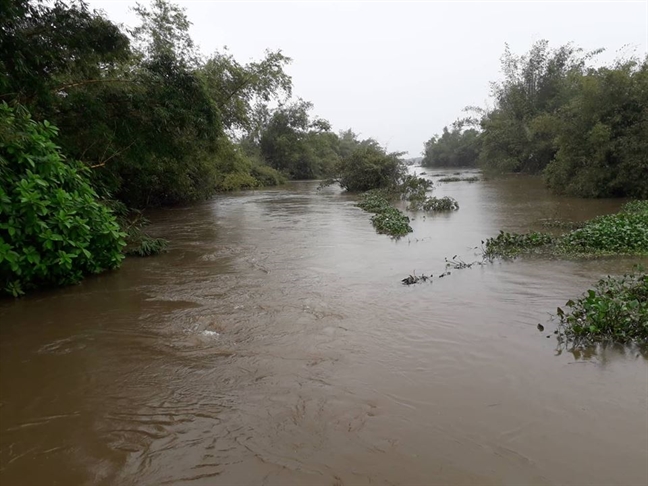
<point>47,47</point>
<point>518,134</point>
<point>293,143</point>
<point>509,245</point>
<point>391,222</point>
<point>374,201</point>
<point>132,224</point>
<point>147,246</point>
<point>455,148</point>
<point>53,229</point>
<point>413,189</point>
<point>584,128</point>
<point>459,179</point>
<point>154,120</point>
<point>368,166</point>
<point>241,91</point>
<point>636,206</point>
<point>623,233</point>
<point>386,219</point>
<point>615,311</point>
<point>602,147</point>
<point>235,170</point>
<point>434,204</point>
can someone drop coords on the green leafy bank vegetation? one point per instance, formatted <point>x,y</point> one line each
<point>53,230</point>
<point>622,233</point>
<point>614,311</point>
<point>557,113</point>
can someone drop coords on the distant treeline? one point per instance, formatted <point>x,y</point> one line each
<point>584,128</point>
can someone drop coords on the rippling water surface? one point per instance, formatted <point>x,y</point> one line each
<point>274,344</point>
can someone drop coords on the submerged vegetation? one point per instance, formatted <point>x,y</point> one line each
<point>386,218</point>
<point>459,179</point>
<point>622,233</point>
<point>614,311</point>
<point>434,204</point>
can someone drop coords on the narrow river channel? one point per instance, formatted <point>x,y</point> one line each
<point>274,344</point>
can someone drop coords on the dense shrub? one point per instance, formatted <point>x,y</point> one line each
<point>53,229</point>
<point>369,166</point>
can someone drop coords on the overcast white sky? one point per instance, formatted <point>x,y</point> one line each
<point>400,71</point>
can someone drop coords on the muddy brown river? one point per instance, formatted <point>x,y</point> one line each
<point>274,344</point>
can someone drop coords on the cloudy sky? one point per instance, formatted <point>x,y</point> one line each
<point>400,71</point>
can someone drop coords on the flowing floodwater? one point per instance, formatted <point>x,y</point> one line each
<point>274,344</point>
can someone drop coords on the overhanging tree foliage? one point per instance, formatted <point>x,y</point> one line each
<point>53,229</point>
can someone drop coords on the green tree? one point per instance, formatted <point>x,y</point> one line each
<point>454,148</point>
<point>47,49</point>
<point>369,166</point>
<point>518,134</point>
<point>602,147</point>
<point>293,143</point>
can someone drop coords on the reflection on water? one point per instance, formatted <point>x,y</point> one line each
<point>274,344</point>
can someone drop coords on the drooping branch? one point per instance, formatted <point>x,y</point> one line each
<point>101,164</point>
<point>90,81</point>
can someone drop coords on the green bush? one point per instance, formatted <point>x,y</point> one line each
<point>53,229</point>
<point>266,176</point>
<point>368,167</point>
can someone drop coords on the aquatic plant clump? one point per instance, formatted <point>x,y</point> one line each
<point>622,233</point>
<point>459,179</point>
<point>373,201</point>
<point>387,219</point>
<point>509,245</point>
<point>615,311</point>
<point>435,204</point>
<point>391,222</point>
<point>625,232</point>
